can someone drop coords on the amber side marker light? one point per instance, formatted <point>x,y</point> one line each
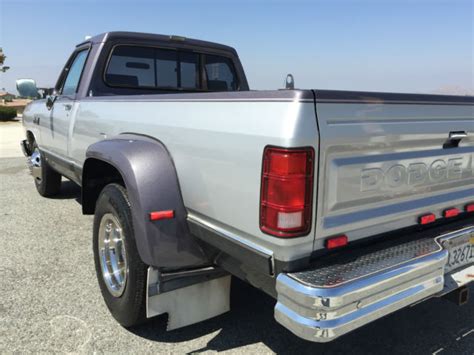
<point>337,242</point>
<point>427,219</point>
<point>158,215</point>
<point>451,212</point>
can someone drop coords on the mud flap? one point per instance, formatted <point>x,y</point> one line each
<point>190,304</point>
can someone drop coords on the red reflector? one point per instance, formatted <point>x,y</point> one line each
<point>287,189</point>
<point>427,218</point>
<point>155,216</point>
<point>336,242</point>
<point>470,207</point>
<point>451,212</point>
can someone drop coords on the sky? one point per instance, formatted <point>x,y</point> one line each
<point>374,45</point>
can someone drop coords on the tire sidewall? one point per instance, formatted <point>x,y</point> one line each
<point>50,183</point>
<point>40,185</point>
<point>128,309</point>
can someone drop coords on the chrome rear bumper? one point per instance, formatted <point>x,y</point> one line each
<point>324,303</point>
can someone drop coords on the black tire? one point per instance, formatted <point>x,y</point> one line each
<point>129,309</point>
<point>50,182</point>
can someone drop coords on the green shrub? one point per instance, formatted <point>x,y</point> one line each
<point>7,113</point>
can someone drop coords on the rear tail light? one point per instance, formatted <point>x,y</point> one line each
<point>287,190</point>
<point>470,207</point>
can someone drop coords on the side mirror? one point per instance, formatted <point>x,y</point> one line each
<point>27,88</point>
<point>50,101</point>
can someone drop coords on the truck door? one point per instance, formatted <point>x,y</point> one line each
<point>55,136</point>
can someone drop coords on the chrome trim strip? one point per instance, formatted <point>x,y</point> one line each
<point>232,236</point>
<point>61,158</point>
<point>421,120</point>
<point>99,99</point>
<point>382,102</point>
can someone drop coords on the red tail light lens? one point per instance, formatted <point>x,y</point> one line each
<point>451,212</point>
<point>287,189</point>
<point>427,218</point>
<point>337,242</point>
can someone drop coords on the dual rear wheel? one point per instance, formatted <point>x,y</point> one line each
<point>120,271</point>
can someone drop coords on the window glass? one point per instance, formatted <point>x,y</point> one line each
<point>148,67</point>
<point>74,74</point>
<point>220,74</point>
<point>166,68</point>
<point>131,66</point>
<point>189,70</point>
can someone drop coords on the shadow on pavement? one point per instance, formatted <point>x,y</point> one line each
<point>69,190</point>
<point>422,329</point>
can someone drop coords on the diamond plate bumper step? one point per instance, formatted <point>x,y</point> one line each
<point>330,300</point>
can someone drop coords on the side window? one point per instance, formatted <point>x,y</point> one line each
<point>147,67</point>
<point>220,73</point>
<point>74,73</point>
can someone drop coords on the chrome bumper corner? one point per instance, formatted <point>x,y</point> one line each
<point>322,304</point>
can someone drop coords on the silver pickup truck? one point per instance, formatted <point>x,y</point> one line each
<point>343,206</point>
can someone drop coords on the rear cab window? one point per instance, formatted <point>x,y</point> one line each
<point>140,67</point>
<point>220,75</point>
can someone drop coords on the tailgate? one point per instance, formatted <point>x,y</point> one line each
<point>385,159</point>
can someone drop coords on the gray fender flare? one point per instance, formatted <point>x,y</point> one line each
<point>150,178</point>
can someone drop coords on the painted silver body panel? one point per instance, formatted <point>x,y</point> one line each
<point>216,146</point>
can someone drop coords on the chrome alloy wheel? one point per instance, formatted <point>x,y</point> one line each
<point>35,164</point>
<point>112,255</point>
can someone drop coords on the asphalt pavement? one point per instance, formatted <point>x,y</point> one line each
<point>50,300</point>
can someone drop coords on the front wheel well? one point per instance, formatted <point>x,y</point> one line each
<point>95,176</point>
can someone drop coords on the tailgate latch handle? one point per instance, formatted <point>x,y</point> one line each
<point>454,138</point>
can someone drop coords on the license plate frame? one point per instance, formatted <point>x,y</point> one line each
<point>460,251</point>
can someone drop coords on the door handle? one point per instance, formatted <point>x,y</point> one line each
<point>457,136</point>
<point>454,138</point>
<point>67,107</point>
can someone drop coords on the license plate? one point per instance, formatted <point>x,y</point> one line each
<point>461,251</point>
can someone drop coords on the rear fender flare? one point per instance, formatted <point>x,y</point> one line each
<point>150,178</point>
